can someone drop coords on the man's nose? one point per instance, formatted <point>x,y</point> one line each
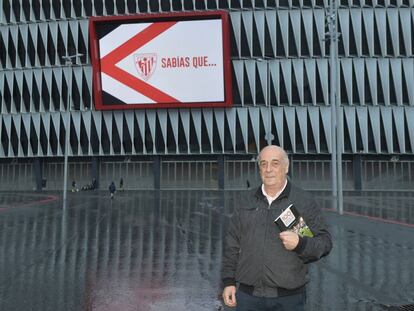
<point>268,167</point>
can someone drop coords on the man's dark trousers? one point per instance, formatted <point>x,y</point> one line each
<point>246,302</point>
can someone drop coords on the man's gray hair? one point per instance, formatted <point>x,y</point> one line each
<point>276,148</point>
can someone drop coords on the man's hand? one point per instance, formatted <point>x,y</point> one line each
<point>289,239</point>
<point>229,296</point>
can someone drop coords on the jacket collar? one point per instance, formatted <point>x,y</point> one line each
<point>285,193</point>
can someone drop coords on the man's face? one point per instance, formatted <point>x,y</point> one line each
<point>273,168</point>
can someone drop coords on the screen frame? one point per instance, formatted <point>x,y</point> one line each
<point>143,18</point>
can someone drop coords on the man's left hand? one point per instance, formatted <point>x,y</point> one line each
<point>289,239</point>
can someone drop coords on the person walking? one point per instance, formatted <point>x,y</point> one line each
<point>112,189</point>
<point>262,267</point>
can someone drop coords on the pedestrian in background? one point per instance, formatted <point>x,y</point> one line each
<point>112,189</point>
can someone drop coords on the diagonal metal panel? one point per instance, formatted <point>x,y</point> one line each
<point>362,115</point>
<point>278,117</point>
<point>291,125</point>
<point>76,119</point>
<point>264,111</point>
<point>319,17</point>
<point>196,116</point>
<point>16,120</point>
<point>173,115</point>
<point>311,75</point>
<point>295,20</point>
<point>7,125</point>
<point>408,69</point>
<point>107,120</point>
<point>314,121</point>
<point>286,65</point>
<point>26,123</point>
<point>235,17</point>
<point>326,123</point>
<point>298,69</point>
<point>19,79</point>
<point>208,120</point>
<point>247,19</point>
<point>392,17</point>
<point>219,116</point>
<point>129,117</point>
<point>271,24</point>
<point>23,29</point>
<point>409,117</point>
<point>346,65</point>
<point>322,65</point>
<point>386,116</point>
<point>28,76</point>
<point>398,119</point>
<point>162,119</point>
<point>56,117</point>
<point>382,29</point>
<point>4,34</point>
<point>407,31</point>
<point>251,76</point>
<point>151,117</point>
<point>255,122</point>
<point>374,118</point>
<point>45,118</point>
<point>1,129</point>
<point>140,116</point>
<point>343,18</point>
<point>185,120</point>
<point>307,18</point>
<point>231,121</point>
<point>36,123</point>
<point>243,119</point>
<point>372,78</point>
<point>302,115</point>
<point>259,21</point>
<point>368,18</point>
<point>262,68</point>
<point>397,77</point>
<point>384,71</point>
<point>86,117</point>
<point>14,31</point>
<point>238,66</point>
<point>356,27</point>
<point>9,80</point>
<point>283,20</point>
<point>358,68</point>
<point>77,72</point>
<point>351,124</point>
<point>274,78</point>
<point>53,30</point>
<point>119,123</point>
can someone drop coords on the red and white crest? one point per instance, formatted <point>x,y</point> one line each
<point>145,64</point>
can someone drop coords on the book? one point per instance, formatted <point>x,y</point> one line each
<point>290,219</point>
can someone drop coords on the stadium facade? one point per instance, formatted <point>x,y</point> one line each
<point>280,69</point>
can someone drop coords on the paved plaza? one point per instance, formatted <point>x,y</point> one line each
<point>161,250</point>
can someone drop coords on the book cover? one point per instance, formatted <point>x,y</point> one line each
<point>290,219</point>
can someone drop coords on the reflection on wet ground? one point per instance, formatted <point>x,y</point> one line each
<point>154,250</point>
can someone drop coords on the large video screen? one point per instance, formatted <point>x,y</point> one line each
<point>161,60</point>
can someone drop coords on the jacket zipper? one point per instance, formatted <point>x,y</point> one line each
<point>264,246</point>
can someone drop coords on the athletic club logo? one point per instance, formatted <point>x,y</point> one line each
<point>145,64</point>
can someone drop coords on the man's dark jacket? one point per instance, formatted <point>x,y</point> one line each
<point>253,253</point>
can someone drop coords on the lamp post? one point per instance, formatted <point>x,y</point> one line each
<point>68,62</point>
<point>336,118</point>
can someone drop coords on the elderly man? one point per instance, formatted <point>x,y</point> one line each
<point>269,266</point>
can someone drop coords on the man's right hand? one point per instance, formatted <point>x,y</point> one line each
<point>229,296</point>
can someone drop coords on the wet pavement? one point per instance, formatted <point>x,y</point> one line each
<point>161,250</point>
